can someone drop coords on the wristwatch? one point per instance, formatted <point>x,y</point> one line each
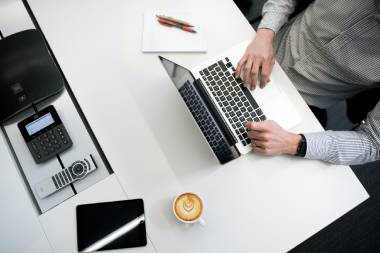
<point>301,150</point>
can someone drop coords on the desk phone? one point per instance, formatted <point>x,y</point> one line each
<point>45,134</point>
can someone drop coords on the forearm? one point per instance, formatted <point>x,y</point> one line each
<point>267,35</point>
<point>276,13</point>
<point>348,147</point>
<point>341,147</point>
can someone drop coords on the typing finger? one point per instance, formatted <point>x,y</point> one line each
<point>261,151</point>
<point>247,69</point>
<point>240,65</point>
<point>255,73</point>
<point>257,126</point>
<point>265,72</point>
<point>257,136</point>
<point>259,144</point>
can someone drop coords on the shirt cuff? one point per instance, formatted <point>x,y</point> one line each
<point>317,145</point>
<point>273,21</point>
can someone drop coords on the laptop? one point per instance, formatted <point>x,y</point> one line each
<point>221,105</point>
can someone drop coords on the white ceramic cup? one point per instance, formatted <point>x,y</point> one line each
<point>199,220</point>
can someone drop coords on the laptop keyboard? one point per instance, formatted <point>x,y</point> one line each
<point>202,116</point>
<point>234,99</point>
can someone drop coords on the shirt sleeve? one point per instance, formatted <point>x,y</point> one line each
<point>347,147</point>
<point>276,13</point>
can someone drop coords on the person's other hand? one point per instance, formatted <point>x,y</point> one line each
<point>268,138</point>
<point>258,60</point>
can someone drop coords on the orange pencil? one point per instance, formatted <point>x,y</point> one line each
<point>181,22</point>
<point>173,24</point>
<point>162,23</point>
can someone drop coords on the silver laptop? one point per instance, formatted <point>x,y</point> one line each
<point>221,105</point>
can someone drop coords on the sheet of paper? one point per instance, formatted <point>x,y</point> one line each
<point>159,38</point>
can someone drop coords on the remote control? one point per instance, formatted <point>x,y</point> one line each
<point>77,171</point>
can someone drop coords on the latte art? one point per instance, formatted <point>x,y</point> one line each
<point>188,207</point>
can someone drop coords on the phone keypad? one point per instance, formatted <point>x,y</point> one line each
<point>50,143</point>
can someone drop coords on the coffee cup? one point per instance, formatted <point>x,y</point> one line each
<point>188,208</point>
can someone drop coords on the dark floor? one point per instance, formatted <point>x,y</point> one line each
<point>358,230</point>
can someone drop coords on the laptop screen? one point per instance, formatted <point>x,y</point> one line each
<point>179,75</point>
<point>185,83</point>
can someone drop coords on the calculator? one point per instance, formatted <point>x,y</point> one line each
<point>45,134</point>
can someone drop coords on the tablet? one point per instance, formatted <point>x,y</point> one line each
<point>111,225</point>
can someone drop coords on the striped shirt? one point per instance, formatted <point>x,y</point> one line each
<point>331,52</point>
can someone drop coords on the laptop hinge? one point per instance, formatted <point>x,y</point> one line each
<point>215,113</point>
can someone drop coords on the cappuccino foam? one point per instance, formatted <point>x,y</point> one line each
<point>188,207</point>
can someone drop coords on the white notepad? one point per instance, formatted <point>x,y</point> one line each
<point>159,38</point>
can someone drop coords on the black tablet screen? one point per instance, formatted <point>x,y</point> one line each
<point>96,222</point>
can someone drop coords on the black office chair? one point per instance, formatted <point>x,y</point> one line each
<point>361,104</point>
<point>28,73</point>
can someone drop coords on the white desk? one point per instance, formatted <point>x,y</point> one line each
<point>252,204</point>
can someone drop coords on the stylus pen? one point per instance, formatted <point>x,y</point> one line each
<point>115,234</point>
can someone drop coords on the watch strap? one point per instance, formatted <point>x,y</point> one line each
<point>302,147</point>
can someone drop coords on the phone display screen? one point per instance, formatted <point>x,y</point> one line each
<point>39,124</point>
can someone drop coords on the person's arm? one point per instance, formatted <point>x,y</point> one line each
<point>276,14</point>
<point>258,59</point>
<point>339,147</point>
<point>348,147</point>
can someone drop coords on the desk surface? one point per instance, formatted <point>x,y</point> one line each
<point>253,203</point>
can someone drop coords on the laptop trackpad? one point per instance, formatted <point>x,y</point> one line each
<point>280,109</point>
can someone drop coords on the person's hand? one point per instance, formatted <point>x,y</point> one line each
<point>268,138</point>
<point>258,60</point>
